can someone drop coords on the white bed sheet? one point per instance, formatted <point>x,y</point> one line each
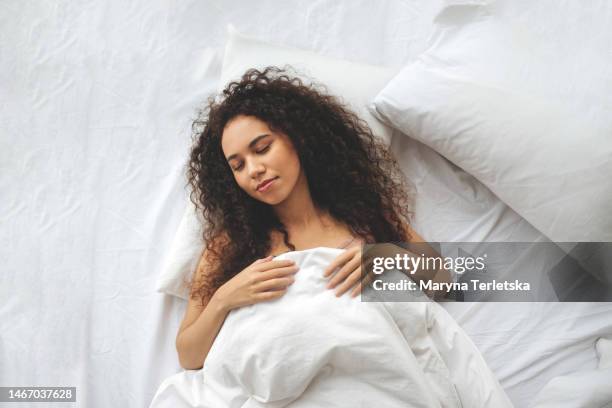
<point>94,129</point>
<point>525,344</point>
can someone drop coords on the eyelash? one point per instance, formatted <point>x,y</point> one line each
<point>265,149</point>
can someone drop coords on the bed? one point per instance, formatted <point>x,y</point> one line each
<point>97,104</point>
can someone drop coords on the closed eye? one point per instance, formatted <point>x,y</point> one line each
<point>260,151</point>
<point>265,149</point>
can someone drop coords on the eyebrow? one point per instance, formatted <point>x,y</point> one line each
<point>251,144</point>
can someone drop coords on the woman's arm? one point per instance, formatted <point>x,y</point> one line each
<point>195,341</point>
<point>263,280</point>
<point>200,325</point>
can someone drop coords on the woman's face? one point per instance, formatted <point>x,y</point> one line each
<point>264,163</point>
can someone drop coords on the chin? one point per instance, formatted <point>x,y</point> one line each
<point>272,201</point>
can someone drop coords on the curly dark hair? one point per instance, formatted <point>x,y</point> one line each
<point>358,182</point>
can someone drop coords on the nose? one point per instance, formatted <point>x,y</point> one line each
<point>255,168</point>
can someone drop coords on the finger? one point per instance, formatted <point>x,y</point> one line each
<point>356,290</point>
<point>262,260</point>
<point>349,282</point>
<point>368,279</point>
<point>368,264</point>
<point>364,282</point>
<point>341,259</point>
<point>273,284</point>
<point>265,296</point>
<point>277,273</point>
<point>275,264</point>
<point>343,273</point>
<point>338,261</point>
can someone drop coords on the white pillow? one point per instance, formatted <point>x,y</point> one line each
<point>355,83</point>
<point>183,257</point>
<point>519,113</point>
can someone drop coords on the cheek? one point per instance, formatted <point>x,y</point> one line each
<point>240,180</point>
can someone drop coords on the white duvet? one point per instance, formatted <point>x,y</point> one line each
<point>311,349</point>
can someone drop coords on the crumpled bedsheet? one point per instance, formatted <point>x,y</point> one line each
<point>311,349</point>
<point>582,389</point>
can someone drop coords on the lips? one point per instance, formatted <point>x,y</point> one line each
<point>264,184</point>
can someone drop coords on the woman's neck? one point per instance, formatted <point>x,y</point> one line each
<point>306,217</point>
<point>298,211</point>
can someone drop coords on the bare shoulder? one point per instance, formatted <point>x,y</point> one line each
<point>412,235</point>
<point>277,245</point>
<point>208,258</point>
<point>207,263</point>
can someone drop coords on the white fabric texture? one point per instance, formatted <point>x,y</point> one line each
<point>604,352</point>
<point>318,350</point>
<point>506,104</point>
<point>584,389</point>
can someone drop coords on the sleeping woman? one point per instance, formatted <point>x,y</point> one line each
<point>280,169</point>
<point>280,166</point>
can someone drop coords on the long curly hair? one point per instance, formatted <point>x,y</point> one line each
<point>350,173</point>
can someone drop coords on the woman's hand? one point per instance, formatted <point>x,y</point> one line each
<point>349,274</point>
<point>261,281</point>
